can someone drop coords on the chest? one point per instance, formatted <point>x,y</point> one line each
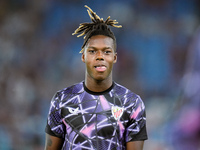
<point>95,116</point>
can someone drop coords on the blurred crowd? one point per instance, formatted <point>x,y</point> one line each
<point>158,58</point>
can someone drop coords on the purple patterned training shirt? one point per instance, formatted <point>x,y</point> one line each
<point>96,120</point>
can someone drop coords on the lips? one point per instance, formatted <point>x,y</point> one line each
<point>100,68</point>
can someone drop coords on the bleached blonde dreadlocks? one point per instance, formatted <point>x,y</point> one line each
<point>97,27</point>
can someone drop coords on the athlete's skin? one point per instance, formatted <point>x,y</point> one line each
<point>99,56</point>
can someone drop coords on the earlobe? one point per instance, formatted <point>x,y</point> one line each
<point>83,57</point>
<point>115,58</point>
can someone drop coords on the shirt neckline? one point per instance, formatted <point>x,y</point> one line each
<point>98,93</point>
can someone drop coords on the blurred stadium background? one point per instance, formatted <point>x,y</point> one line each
<point>158,58</point>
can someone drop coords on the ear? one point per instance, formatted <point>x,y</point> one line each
<point>83,57</point>
<point>115,58</point>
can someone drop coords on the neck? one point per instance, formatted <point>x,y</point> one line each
<point>98,86</point>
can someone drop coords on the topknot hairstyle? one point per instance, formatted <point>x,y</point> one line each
<point>97,27</point>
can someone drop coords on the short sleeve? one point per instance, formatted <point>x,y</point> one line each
<point>55,126</point>
<point>136,130</point>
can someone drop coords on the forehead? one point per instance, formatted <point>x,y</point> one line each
<point>100,40</point>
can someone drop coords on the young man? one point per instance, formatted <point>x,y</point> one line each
<point>97,113</point>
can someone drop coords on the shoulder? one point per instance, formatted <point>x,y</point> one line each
<point>70,91</point>
<point>128,98</point>
<point>122,90</point>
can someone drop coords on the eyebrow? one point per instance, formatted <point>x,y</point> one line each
<point>92,47</point>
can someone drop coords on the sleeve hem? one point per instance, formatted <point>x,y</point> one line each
<point>50,132</point>
<point>141,136</point>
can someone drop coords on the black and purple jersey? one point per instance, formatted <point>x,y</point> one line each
<point>96,120</point>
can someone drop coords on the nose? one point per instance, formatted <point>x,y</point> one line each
<point>99,55</point>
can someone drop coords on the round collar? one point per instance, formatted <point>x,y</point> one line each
<point>98,93</point>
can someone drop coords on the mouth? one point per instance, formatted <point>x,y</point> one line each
<point>100,68</point>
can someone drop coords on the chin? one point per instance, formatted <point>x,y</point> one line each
<point>100,79</point>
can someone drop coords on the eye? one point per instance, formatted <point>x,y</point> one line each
<point>91,51</point>
<point>107,51</point>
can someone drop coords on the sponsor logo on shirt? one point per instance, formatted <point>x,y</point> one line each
<point>73,111</point>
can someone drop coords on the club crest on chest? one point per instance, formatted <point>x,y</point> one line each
<point>117,112</point>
